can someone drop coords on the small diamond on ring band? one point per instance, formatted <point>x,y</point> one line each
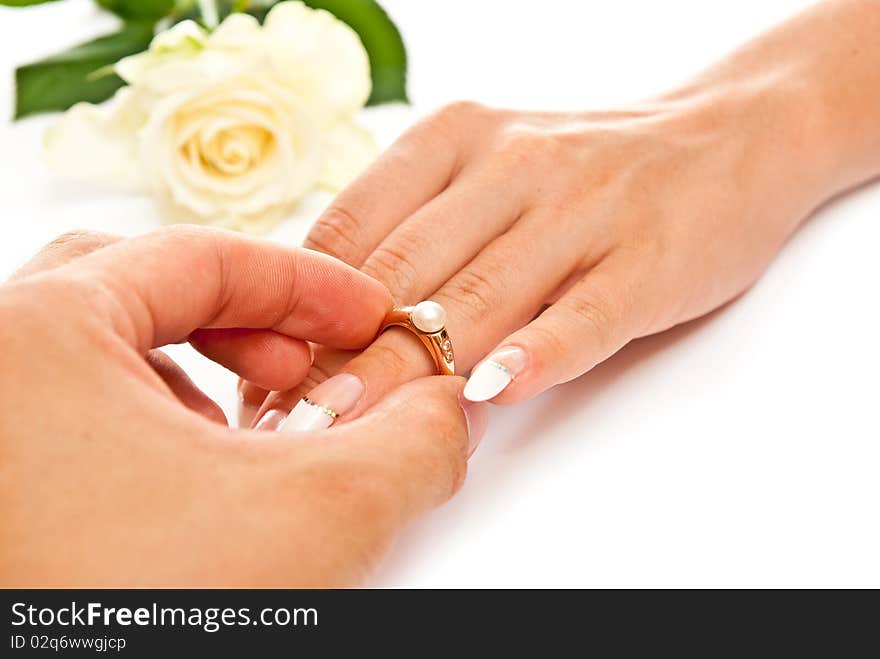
<point>325,410</point>
<point>427,320</point>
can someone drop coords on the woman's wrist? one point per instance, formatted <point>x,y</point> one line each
<point>753,135</point>
<point>802,101</point>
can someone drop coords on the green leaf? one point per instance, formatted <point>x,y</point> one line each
<point>382,40</point>
<point>59,81</point>
<point>138,9</point>
<point>23,3</point>
<point>379,35</point>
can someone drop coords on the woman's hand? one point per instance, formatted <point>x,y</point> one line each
<point>553,239</point>
<point>115,470</point>
<point>624,223</point>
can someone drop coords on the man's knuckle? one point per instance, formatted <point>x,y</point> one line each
<point>188,236</point>
<point>448,461</point>
<point>448,420</point>
<point>78,241</point>
<point>444,455</point>
<point>185,232</point>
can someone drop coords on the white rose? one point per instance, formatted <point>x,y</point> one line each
<point>230,128</point>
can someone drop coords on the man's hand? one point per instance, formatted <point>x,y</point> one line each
<point>114,470</point>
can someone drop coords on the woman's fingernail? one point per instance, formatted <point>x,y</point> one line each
<point>477,419</point>
<point>492,375</point>
<point>325,403</point>
<point>271,421</point>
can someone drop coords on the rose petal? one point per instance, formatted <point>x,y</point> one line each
<point>176,149</point>
<point>184,37</point>
<point>181,42</point>
<point>320,57</point>
<point>231,128</point>
<point>347,150</point>
<point>236,31</point>
<point>98,144</point>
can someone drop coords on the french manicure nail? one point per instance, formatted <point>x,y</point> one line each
<point>495,373</point>
<point>271,420</point>
<point>323,404</point>
<point>477,419</point>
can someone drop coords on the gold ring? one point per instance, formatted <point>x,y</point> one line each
<point>426,320</point>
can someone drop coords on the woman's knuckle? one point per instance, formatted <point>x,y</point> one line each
<point>458,111</point>
<point>545,345</point>
<point>387,358</point>
<point>519,145</point>
<point>336,233</point>
<point>594,313</point>
<point>452,124</point>
<point>471,294</point>
<point>392,264</point>
<point>318,373</point>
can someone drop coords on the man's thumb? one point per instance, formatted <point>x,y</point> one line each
<point>420,437</point>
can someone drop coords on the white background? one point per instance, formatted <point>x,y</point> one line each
<point>739,450</point>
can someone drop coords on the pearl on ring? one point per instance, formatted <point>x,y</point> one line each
<point>428,316</point>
